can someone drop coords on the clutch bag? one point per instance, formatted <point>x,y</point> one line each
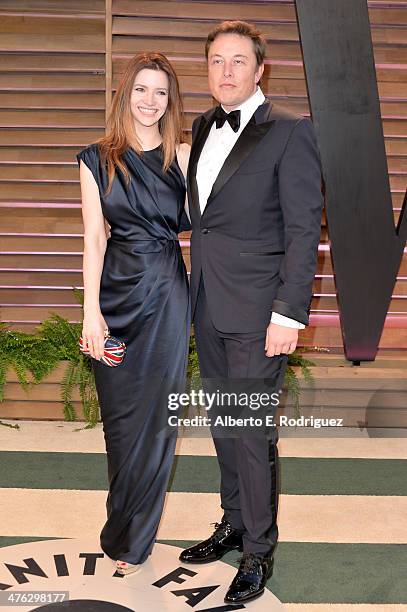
<point>115,350</point>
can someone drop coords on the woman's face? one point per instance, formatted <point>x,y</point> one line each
<point>149,97</point>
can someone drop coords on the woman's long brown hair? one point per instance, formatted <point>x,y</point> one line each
<point>120,124</point>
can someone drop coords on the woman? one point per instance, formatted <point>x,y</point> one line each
<point>136,287</point>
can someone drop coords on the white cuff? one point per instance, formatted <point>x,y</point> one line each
<point>279,319</point>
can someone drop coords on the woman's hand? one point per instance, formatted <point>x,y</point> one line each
<point>93,333</point>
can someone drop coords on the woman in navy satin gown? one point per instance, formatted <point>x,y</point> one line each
<point>136,286</point>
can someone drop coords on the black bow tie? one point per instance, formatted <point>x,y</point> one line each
<point>233,118</point>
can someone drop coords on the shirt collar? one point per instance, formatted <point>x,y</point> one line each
<point>249,106</point>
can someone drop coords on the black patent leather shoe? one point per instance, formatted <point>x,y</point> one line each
<point>250,580</point>
<point>223,539</point>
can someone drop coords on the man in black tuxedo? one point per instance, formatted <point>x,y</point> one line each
<point>254,187</point>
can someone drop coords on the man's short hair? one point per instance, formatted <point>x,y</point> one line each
<point>243,29</point>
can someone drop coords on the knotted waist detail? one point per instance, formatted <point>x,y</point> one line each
<point>143,246</point>
<point>142,240</point>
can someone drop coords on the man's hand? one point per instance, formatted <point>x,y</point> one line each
<point>280,339</point>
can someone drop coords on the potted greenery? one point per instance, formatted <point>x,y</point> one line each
<point>35,355</point>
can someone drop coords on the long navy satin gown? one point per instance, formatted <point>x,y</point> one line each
<point>144,300</point>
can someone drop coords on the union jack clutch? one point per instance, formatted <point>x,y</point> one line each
<point>115,350</point>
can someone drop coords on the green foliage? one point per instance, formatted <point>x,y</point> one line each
<point>16,426</point>
<point>25,354</point>
<point>193,373</point>
<point>62,336</point>
<point>68,384</point>
<point>291,378</point>
<point>87,391</point>
<point>34,356</point>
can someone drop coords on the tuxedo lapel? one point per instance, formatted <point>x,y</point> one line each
<point>196,150</point>
<point>258,126</point>
<point>260,123</point>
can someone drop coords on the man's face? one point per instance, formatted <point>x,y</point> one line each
<point>233,72</point>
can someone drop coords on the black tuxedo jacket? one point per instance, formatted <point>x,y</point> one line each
<point>256,242</point>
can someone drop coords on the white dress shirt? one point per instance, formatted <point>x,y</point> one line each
<point>216,149</point>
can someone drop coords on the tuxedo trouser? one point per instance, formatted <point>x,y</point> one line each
<point>249,466</point>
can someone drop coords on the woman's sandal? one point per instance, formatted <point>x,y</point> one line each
<point>124,568</point>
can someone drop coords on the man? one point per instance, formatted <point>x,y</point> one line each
<point>254,186</point>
